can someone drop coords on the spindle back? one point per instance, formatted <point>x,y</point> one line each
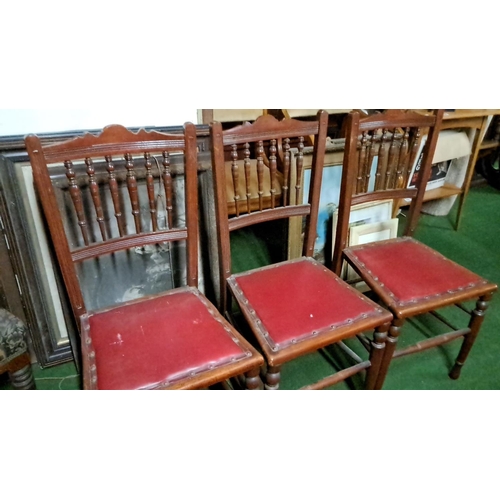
<point>387,156</point>
<point>117,192</point>
<point>274,150</point>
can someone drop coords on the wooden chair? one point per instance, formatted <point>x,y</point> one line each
<point>296,306</point>
<point>142,325</point>
<point>244,190</point>
<point>407,276</point>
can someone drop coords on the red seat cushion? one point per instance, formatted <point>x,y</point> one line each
<point>297,299</point>
<point>149,342</point>
<point>410,270</point>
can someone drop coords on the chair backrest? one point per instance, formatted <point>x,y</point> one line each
<point>277,148</point>
<point>113,199</point>
<point>387,156</point>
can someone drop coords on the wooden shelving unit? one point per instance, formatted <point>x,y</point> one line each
<point>478,120</point>
<point>442,192</point>
<point>205,116</point>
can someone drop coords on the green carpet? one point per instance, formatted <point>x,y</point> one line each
<point>476,246</point>
<point>61,377</point>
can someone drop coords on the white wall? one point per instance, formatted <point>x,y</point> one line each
<point>27,121</point>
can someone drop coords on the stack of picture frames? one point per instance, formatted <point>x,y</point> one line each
<point>368,222</point>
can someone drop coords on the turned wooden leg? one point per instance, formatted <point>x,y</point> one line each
<point>20,373</point>
<point>469,339</point>
<point>461,201</point>
<point>23,378</point>
<point>253,380</point>
<point>376,356</point>
<point>273,377</point>
<point>390,347</point>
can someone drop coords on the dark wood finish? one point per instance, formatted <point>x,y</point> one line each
<point>16,142</point>
<point>23,379</point>
<point>24,278</point>
<point>76,196</point>
<point>395,269</point>
<point>262,138</point>
<point>103,155</point>
<point>113,188</point>
<point>96,198</point>
<point>132,190</point>
<point>390,182</point>
<point>167,182</point>
<point>20,372</point>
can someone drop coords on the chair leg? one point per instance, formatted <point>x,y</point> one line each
<point>273,377</point>
<point>253,380</point>
<point>461,201</point>
<point>390,347</point>
<point>469,339</point>
<point>23,379</point>
<point>376,356</point>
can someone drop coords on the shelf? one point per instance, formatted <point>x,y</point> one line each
<point>441,192</point>
<point>436,194</point>
<point>489,144</point>
<point>469,113</point>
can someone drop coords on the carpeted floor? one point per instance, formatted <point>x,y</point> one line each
<point>476,246</point>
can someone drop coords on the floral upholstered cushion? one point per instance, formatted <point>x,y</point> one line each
<point>12,336</point>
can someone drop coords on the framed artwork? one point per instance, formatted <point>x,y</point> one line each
<point>45,305</point>
<point>329,198</point>
<point>367,233</point>
<point>451,148</point>
<point>375,231</point>
<point>365,213</point>
<point>367,220</point>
